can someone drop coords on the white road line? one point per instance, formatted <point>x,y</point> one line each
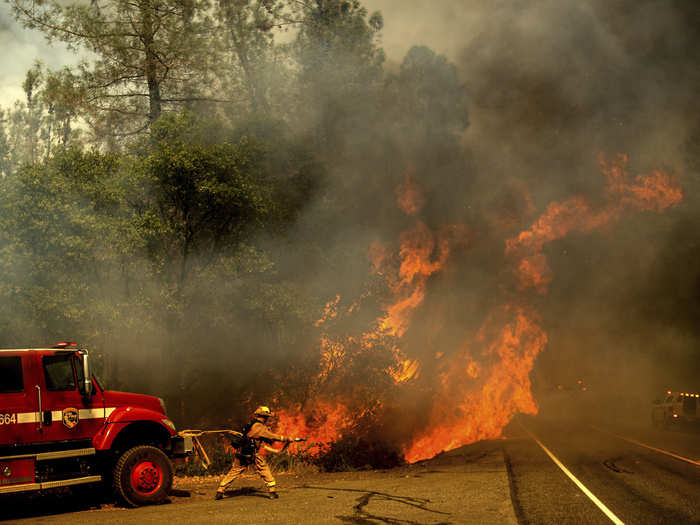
<point>639,443</point>
<point>580,485</point>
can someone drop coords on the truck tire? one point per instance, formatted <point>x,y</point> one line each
<point>143,475</point>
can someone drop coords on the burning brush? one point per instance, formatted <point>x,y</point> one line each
<point>464,390</point>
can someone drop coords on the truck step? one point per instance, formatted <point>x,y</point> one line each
<point>58,454</point>
<point>50,484</point>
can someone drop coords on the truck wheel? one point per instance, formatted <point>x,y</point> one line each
<point>143,475</point>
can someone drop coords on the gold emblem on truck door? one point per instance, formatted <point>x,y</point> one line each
<point>70,417</point>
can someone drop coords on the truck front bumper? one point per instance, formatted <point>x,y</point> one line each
<point>180,446</point>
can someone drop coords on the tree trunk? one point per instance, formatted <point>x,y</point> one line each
<point>235,20</point>
<point>151,63</point>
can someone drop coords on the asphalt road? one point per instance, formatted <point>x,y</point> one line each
<point>506,481</point>
<point>634,483</point>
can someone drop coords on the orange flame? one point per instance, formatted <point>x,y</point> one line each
<point>465,412</point>
<point>405,370</point>
<point>321,424</point>
<point>329,312</point>
<point>656,191</point>
<point>408,195</point>
<point>422,254</point>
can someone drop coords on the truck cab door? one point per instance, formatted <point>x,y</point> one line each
<point>18,400</point>
<point>68,414</point>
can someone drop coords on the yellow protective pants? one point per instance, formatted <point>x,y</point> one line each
<point>238,468</point>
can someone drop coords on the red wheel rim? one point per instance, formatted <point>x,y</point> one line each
<point>146,478</point>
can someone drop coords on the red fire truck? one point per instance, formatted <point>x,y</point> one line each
<point>59,427</point>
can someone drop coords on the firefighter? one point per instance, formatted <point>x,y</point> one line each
<point>256,436</point>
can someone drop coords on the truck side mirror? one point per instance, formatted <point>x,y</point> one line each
<point>87,387</point>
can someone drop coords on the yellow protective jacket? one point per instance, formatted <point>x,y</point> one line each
<point>259,434</point>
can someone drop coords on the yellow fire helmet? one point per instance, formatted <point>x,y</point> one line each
<point>262,411</point>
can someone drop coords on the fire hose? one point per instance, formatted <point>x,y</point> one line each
<point>202,453</point>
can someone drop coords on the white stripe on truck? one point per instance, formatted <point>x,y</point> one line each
<point>28,417</point>
<point>57,415</point>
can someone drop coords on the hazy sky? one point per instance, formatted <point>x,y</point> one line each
<point>20,48</point>
<point>443,25</point>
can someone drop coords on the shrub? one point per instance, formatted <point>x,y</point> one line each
<point>351,453</point>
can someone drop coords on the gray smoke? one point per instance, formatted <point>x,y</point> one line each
<point>553,84</point>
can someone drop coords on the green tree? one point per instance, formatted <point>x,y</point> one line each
<point>32,128</point>
<point>25,137</point>
<point>4,145</point>
<point>430,105</point>
<point>340,69</point>
<point>58,225</point>
<point>33,115</point>
<point>146,56</point>
<point>62,93</point>
<point>196,198</point>
<point>248,44</point>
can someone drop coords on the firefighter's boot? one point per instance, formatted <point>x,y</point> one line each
<point>219,494</point>
<point>273,495</point>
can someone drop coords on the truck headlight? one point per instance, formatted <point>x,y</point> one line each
<point>168,424</point>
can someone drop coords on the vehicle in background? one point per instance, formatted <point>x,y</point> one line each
<point>59,428</point>
<point>675,408</point>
